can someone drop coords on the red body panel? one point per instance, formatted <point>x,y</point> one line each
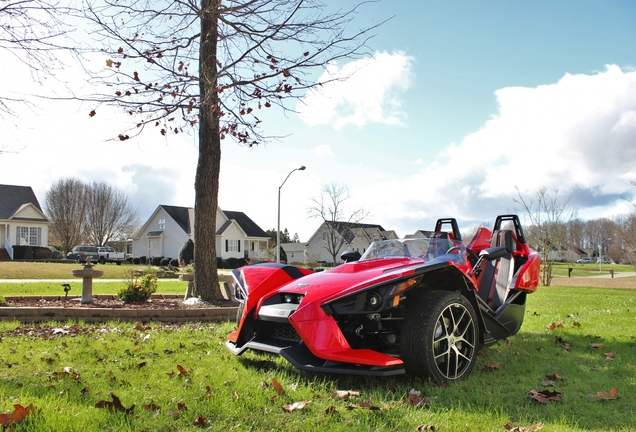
<point>528,277</point>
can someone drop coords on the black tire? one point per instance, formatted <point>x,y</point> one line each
<point>118,262</point>
<point>79,260</point>
<point>440,336</point>
<point>102,260</point>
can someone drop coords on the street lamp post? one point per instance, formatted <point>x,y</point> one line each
<point>600,255</point>
<point>302,168</point>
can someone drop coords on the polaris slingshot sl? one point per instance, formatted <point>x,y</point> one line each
<point>417,306</point>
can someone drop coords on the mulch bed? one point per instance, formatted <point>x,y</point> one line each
<point>113,303</point>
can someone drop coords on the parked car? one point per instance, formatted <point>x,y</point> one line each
<point>82,252</point>
<point>418,306</point>
<point>109,254</point>
<point>605,261</point>
<point>584,261</point>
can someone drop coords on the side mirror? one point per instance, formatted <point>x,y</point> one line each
<point>493,253</point>
<point>350,256</point>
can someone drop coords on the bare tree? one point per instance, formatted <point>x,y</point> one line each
<point>339,221</point>
<point>88,213</point>
<point>109,214</point>
<point>65,205</point>
<point>213,64</point>
<point>548,216</point>
<point>626,234</point>
<point>32,32</point>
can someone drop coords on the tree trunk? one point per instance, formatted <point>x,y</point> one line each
<point>206,279</point>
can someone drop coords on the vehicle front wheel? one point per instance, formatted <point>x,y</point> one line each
<point>440,336</point>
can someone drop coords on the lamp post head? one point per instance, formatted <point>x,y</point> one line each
<point>302,168</point>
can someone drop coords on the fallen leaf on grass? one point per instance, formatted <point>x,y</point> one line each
<point>18,415</point>
<point>597,345</point>
<point>331,410</point>
<point>151,407</point>
<point>369,406</point>
<point>344,394</point>
<point>279,388</point>
<point>554,377</point>
<point>631,366</point>
<point>295,406</point>
<point>416,399</point>
<point>548,384</point>
<point>182,371</point>
<point>200,422</point>
<point>545,396</point>
<point>610,356</point>
<point>491,367</point>
<point>555,325</point>
<point>114,405</point>
<point>610,395</point>
<point>533,428</point>
<point>425,427</point>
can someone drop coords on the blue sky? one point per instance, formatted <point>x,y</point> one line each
<point>458,104</point>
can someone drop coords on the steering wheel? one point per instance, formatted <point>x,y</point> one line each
<point>472,256</point>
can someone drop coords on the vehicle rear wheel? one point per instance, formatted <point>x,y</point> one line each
<point>102,260</point>
<point>440,336</point>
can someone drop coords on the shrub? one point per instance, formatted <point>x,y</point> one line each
<point>43,253</point>
<point>136,261</point>
<point>130,260</point>
<point>156,260</point>
<point>164,262</point>
<point>138,289</point>
<point>174,262</point>
<point>3,301</point>
<point>186,254</point>
<point>142,260</point>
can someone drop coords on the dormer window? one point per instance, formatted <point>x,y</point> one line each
<point>162,224</point>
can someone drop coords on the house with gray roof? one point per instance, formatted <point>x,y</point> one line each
<point>169,227</point>
<point>22,221</point>
<point>355,237</point>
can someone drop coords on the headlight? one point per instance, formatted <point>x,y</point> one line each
<point>375,300</point>
<point>288,298</point>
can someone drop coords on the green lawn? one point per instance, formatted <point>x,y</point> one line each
<point>42,270</point>
<point>577,342</point>
<point>165,286</point>
<point>584,270</point>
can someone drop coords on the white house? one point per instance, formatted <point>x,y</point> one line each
<point>22,221</point>
<point>169,227</point>
<point>357,237</point>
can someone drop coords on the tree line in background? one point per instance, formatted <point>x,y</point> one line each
<point>88,213</point>
<point>553,229</point>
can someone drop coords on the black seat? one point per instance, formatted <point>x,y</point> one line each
<point>498,274</point>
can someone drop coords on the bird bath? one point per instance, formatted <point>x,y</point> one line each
<point>87,273</point>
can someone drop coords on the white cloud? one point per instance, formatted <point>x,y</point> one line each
<point>576,136</point>
<point>363,91</point>
<point>323,150</point>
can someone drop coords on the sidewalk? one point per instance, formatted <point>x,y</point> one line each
<point>616,275</point>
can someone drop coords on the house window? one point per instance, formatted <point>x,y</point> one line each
<point>28,236</point>
<point>253,246</point>
<point>232,246</point>
<point>162,224</point>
